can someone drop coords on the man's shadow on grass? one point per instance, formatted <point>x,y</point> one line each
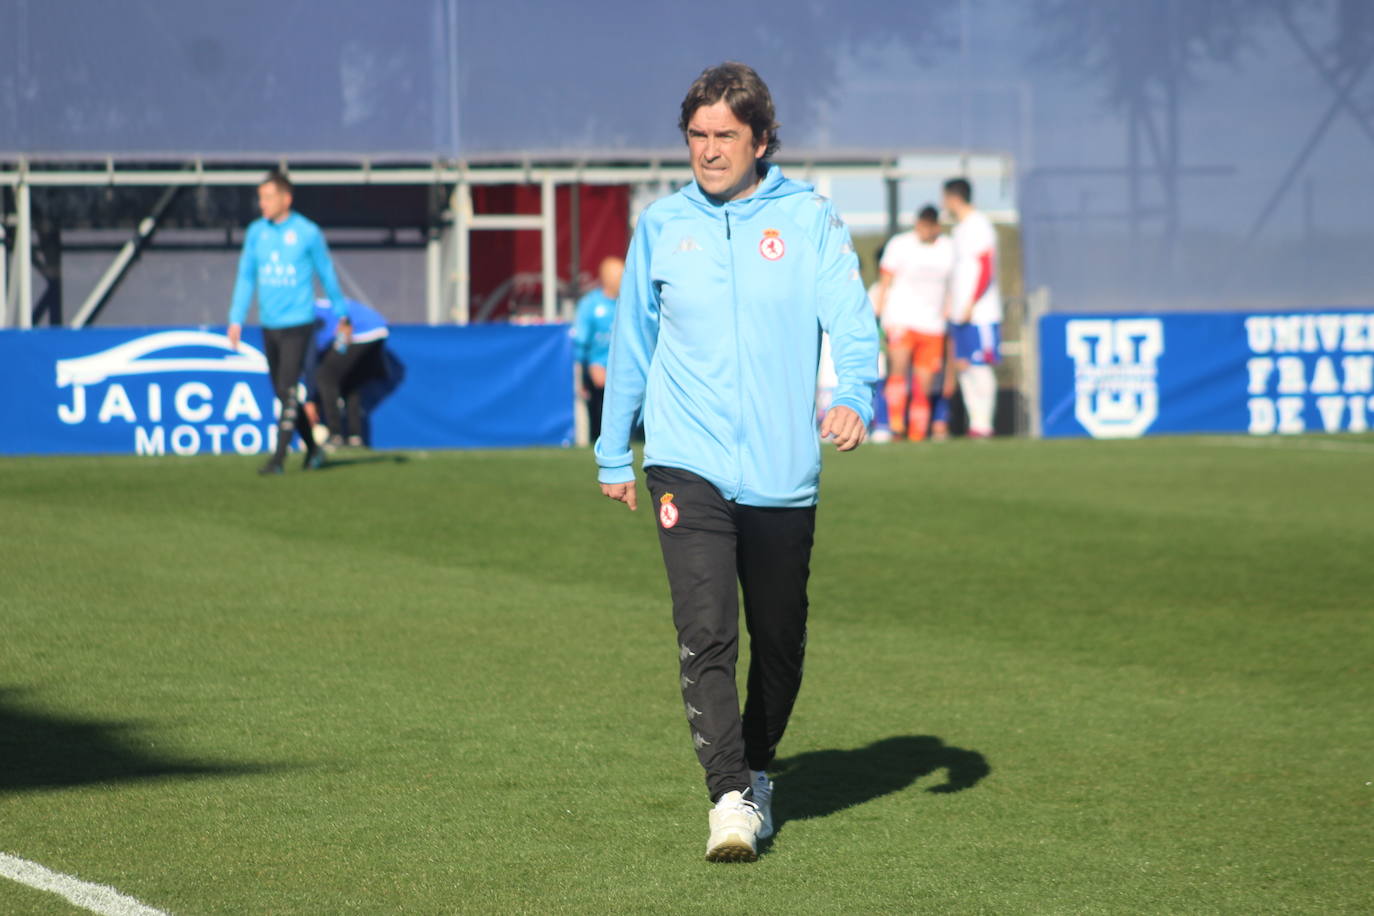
<point>42,750</point>
<point>820,783</point>
<point>338,461</point>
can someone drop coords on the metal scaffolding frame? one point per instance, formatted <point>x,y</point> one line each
<point>17,294</point>
<point>121,263</point>
<point>447,248</point>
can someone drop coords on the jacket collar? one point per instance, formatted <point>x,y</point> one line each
<point>772,186</point>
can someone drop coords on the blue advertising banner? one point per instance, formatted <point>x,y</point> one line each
<point>1122,376</point>
<point>184,391</point>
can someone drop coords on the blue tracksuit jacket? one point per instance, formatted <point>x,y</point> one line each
<point>282,260</point>
<point>592,328</point>
<point>717,338</point>
<point>368,323</point>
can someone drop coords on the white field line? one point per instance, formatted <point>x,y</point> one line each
<point>97,898</point>
<point>1308,445</point>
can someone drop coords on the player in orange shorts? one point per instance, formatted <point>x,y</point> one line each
<point>912,301</point>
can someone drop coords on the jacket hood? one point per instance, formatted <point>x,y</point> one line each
<point>773,186</point>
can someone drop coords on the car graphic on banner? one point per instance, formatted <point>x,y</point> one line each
<point>137,357</point>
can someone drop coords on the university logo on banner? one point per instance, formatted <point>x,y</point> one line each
<point>183,392</point>
<point>1116,374</point>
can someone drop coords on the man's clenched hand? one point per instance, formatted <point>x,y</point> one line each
<point>621,492</point>
<point>845,427</point>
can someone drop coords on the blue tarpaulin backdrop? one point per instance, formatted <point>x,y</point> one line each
<point>1170,154</point>
<point>183,391</point>
<point>482,386</point>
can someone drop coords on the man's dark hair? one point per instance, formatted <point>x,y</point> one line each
<point>960,188</point>
<point>928,214</point>
<point>746,94</point>
<point>279,181</point>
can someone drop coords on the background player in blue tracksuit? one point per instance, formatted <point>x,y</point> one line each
<point>728,286</point>
<point>340,367</point>
<point>592,338</point>
<point>283,253</point>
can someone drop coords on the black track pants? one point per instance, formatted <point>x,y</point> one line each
<point>712,547</point>
<point>596,398</point>
<point>285,350</point>
<point>344,374</point>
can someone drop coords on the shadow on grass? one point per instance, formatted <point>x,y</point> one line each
<point>820,783</point>
<point>348,460</point>
<point>40,750</point>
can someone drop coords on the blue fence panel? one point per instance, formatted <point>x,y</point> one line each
<point>1121,376</point>
<point>484,386</point>
<point>183,391</point>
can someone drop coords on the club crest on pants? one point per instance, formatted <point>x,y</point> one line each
<point>667,512</point>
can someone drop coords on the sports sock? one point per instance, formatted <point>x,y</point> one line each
<point>879,407</point>
<point>920,413</point>
<point>897,393</point>
<point>307,431</point>
<point>939,408</point>
<point>979,386</point>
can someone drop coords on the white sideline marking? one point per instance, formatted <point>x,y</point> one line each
<point>97,898</point>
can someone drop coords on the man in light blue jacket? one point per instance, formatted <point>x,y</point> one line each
<point>338,369</point>
<point>727,288</point>
<point>592,339</point>
<point>283,254</point>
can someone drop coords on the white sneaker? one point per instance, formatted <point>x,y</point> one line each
<point>735,824</point>
<point>762,797</point>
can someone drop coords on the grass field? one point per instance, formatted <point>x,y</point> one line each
<point>1065,677</point>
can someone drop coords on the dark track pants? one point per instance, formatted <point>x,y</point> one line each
<point>712,548</point>
<point>285,349</point>
<point>344,374</point>
<point>596,398</point>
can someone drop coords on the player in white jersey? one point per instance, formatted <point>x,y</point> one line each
<point>976,311</point>
<point>912,302</point>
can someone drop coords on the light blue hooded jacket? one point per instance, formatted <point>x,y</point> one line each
<point>282,260</point>
<point>592,324</point>
<point>717,338</point>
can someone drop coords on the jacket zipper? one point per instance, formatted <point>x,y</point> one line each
<point>739,370</point>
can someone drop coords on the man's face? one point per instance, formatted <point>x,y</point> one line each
<point>724,152</point>
<point>273,202</point>
<point>611,271</point>
<point>953,203</point>
<point>927,231</point>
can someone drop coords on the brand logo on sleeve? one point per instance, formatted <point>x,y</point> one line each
<point>667,512</point>
<point>771,246</point>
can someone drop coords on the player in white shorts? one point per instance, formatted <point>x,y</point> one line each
<point>976,311</point>
<point>912,300</point>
